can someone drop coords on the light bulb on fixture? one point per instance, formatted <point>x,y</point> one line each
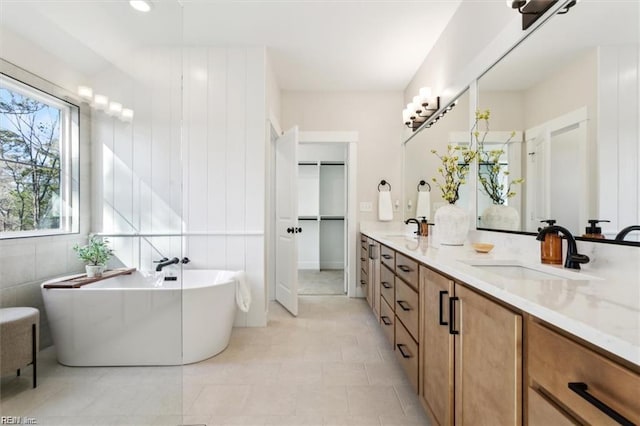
<point>85,92</point>
<point>417,104</point>
<point>100,101</point>
<point>425,95</point>
<point>126,114</point>
<point>412,111</point>
<point>140,5</point>
<point>115,108</point>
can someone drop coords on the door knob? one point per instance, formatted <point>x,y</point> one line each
<point>290,230</point>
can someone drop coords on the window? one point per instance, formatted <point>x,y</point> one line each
<point>39,148</point>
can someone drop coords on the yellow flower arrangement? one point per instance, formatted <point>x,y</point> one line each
<point>454,170</point>
<point>491,170</point>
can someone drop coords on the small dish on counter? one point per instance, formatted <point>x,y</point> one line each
<point>482,247</point>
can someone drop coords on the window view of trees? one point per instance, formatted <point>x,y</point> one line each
<point>30,172</point>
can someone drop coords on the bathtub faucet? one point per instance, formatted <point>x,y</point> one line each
<point>166,262</point>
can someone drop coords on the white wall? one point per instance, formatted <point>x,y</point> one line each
<point>377,119</point>
<point>192,162</point>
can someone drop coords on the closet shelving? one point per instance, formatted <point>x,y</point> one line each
<point>321,209</point>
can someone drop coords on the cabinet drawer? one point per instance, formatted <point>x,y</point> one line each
<point>364,261</point>
<point>407,269</point>
<point>555,361</point>
<point>387,321</point>
<point>541,412</point>
<point>387,257</point>
<point>406,307</point>
<point>407,353</point>
<point>387,284</point>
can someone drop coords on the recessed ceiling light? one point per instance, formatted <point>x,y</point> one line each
<point>140,5</point>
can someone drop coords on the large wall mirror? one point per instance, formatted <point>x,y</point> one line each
<point>564,116</point>
<point>421,165</point>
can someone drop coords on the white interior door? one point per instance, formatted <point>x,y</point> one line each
<point>287,220</point>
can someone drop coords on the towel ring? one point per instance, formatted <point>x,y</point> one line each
<point>384,183</point>
<point>424,183</point>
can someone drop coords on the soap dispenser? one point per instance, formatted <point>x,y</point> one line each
<point>593,230</point>
<point>551,247</point>
<point>424,227</point>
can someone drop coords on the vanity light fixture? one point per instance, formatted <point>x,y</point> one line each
<point>422,107</point>
<point>532,10</point>
<point>414,119</point>
<point>140,5</point>
<point>86,93</point>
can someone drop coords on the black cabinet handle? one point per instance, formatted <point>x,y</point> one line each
<point>385,284</point>
<point>290,230</point>
<point>442,321</point>
<point>363,282</point>
<point>385,319</point>
<point>298,230</point>
<point>404,305</point>
<point>583,390</point>
<point>402,352</point>
<point>452,315</point>
<point>404,268</point>
<point>363,258</point>
<point>387,256</point>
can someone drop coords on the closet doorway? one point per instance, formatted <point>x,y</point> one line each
<point>323,180</point>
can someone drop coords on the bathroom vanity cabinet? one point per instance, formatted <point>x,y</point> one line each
<point>476,359</point>
<point>471,357</point>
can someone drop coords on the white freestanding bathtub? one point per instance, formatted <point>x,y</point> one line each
<point>138,319</point>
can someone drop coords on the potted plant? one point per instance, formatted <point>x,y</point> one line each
<point>493,175</point>
<point>452,222</point>
<point>95,255</point>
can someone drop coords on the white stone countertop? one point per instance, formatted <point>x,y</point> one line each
<point>600,306</point>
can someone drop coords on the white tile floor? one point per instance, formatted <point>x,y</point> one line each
<point>329,366</point>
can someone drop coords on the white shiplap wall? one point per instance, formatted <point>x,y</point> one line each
<point>619,135</point>
<point>192,161</point>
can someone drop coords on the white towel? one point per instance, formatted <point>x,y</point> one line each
<point>385,207</point>
<point>423,205</point>
<point>243,293</point>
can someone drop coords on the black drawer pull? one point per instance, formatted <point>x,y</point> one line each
<point>387,256</point>
<point>404,305</point>
<point>363,258</point>
<point>452,315</point>
<point>404,268</point>
<point>386,284</point>
<point>442,321</point>
<point>583,390</point>
<point>402,352</point>
<point>363,282</point>
<point>385,319</point>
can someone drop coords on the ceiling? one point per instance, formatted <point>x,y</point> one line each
<point>314,45</point>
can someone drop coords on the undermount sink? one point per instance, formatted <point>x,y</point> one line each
<point>517,270</point>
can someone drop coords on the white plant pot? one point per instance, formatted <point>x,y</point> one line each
<point>499,216</point>
<point>94,270</point>
<point>451,225</point>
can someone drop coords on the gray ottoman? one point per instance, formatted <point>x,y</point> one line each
<point>19,339</point>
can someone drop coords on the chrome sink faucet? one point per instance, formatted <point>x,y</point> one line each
<point>623,233</point>
<point>574,259</point>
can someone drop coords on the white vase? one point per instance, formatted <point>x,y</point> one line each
<point>94,270</point>
<point>499,216</point>
<point>451,225</point>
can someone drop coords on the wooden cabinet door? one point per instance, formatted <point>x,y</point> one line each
<point>436,346</point>
<point>488,361</point>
